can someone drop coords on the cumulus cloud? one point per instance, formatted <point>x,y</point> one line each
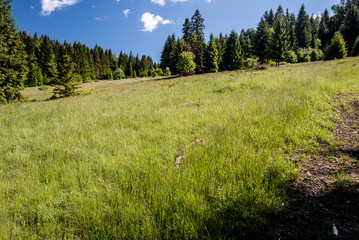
<point>159,2</point>
<point>126,12</point>
<point>151,21</point>
<point>180,1</point>
<point>48,6</point>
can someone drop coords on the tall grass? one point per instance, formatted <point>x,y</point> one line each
<point>102,166</point>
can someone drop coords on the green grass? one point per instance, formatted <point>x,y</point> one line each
<point>102,166</point>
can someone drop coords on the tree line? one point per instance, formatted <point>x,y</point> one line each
<point>280,36</point>
<point>30,61</point>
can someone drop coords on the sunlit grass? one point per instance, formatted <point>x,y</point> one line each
<point>103,165</point>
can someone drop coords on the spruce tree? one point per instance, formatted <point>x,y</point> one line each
<point>350,26</point>
<point>279,40</point>
<point>337,48</point>
<point>67,79</point>
<point>261,41</point>
<point>303,29</point>
<point>187,31</point>
<point>47,60</point>
<point>165,55</point>
<point>323,32</point>
<point>233,57</point>
<point>212,55</point>
<point>198,44</point>
<point>12,56</point>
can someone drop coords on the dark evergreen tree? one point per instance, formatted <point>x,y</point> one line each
<point>67,80</point>
<point>269,17</point>
<point>167,49</point>
<point>350,25</point>
<point>233,56</point>
<point>178,47</point>
<point>261,41</point>
<point>303,29</point>
<point>47,60</point>
<point>12,56</point>
<point>212,58</point>
<point>337,48</point>
<point>187,31</point>
<point>323,32</point>
<point>355,49</point>
<point>279,40</point>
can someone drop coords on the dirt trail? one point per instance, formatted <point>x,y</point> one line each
<point>325,200</point>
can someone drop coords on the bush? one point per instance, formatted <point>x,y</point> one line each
<point>167,72</point>
<point>291,57</point>
<point>118,74</point>
<point>337,48</point>
<point>186,64</point>
<point>304,54</point>
<point>251,62</point>
<point>316,55</point>
<point>156,72</point>
<point>355,49</point>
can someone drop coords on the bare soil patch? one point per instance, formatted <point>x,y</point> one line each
<point>324,202</point>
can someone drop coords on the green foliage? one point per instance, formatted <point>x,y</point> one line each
<point>155,72</point>
<point>303,29</point>
<point>233,56</point>
<point>316,55</point>
<point>337,49</point>
<point>355,49</point>
<point>212,61</point>
<point>68,80</point>
<point>118,74</point>
<point>261,41</point>
<point>279,40</point>
<point>350,25</point>
<point>251,63</point>
<point>12,57</point>
<point>291,57</point>
<point>186,63</point>
<point>167,72</point>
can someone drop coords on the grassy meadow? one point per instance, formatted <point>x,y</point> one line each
<point>103,165</point>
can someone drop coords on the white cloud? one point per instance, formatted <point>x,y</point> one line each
<point>151,21</point>
<point>180,1</point>
<point>118,1</point>
<point>159,2</point>
<point>126,12</point>
<point>48,6</point>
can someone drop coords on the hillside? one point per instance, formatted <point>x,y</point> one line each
<point>206,156</point>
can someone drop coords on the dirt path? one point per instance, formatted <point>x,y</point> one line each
<point>325,200</point>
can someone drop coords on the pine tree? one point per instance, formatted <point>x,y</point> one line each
<point>67,80</point>
<point>337,49</point>
<point>350,26</point>
<point>323,32</point>
<point>47,60</point>
<point>187,31</point>
<point>198,44</point>
<point>178,47</point>
<point>261,41</point>
<point>233,57</point>
<point>303,29</point>
<point>212,55</point>
<point>12,61</point>
<point>167,49</point>
<point>279,40</point>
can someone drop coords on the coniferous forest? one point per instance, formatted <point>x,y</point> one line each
<point>281,36</point>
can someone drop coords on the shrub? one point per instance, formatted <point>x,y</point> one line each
<point>304,55</point>
<point>316,55</point>
<point>186,64</point>
<point>337,48</point>
<point>291,57</point>
<point>167,72</point>
<point>118,74</point>
<point>251,62</point>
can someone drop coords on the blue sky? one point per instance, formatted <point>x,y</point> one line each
<point>142,26</point>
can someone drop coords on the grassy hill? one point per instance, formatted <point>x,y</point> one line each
<point>204,156</point>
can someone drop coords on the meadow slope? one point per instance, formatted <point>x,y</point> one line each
<point>205,156</point>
